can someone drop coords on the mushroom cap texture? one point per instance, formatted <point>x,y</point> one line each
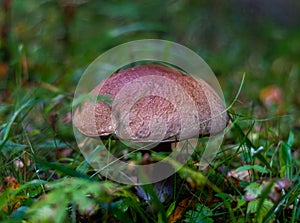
<point>145,100</point>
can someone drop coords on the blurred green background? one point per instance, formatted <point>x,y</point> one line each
<point>53,42</point>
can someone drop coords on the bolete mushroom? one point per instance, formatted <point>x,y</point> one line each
<point>152,104</point>
<point>96,119</point>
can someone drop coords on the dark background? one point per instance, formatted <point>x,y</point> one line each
<point>60,38</point>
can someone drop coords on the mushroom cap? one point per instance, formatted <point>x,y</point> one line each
<point>152,103</point>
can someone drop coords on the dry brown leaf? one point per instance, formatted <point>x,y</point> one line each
<point>3,70</point>
<point>11,183</point>
<point>272,96</point>
<point>179,210</point>
<point>241,175</point>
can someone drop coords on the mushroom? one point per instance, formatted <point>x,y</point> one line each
<point>95,119</point>
<point>152,104</point>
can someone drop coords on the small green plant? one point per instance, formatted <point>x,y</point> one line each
<point>201,214</point>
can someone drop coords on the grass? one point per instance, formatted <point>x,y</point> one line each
<point>254,178</point>
<point>45,178</point>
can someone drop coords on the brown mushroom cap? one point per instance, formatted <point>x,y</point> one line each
<point>98,118</point>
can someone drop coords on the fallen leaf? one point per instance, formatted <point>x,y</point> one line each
<point>3,70</point>
<point>13,203</point>
<point>11,183</point>
<point>277,191</point>
<point>272,96</point>
<point>255,189</point>
<point>180,208</point>
<point>242,175</point>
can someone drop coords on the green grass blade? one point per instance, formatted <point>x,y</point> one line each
<point>62,169</point>
<point>249,167</point>
<point>279,206</point>
<point>11,146</point>
<point>285,157</point>
<point>149,189</point>
<point>294,212</point>
<point>10,123</point>
<point>245,140</point>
